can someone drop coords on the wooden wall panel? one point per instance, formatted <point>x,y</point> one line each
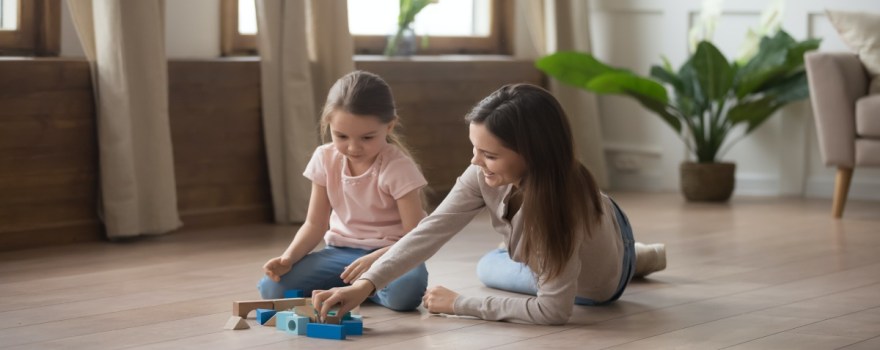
<point>48,154</point>
<point>219,155</point>
<point>433,97</point>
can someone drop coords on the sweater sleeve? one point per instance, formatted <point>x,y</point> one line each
<point>462,204</point>
<point>552,306</point>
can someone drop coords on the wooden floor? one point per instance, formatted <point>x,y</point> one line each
<point>756,273</point>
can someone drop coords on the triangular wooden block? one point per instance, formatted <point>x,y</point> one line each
<point>236,323</point>
<point>271,321</point>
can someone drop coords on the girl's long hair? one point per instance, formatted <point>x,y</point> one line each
<point>365,94</point>
<point>560,196</point>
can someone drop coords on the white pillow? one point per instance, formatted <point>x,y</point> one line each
<point>861,31</point>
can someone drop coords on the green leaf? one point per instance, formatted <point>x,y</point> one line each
<point>790,89</point>
<point>753,112</point>
<point>661,109</point>
<point>668,77</point>
<point>691,87</point>
<point>769,63</point>
<point>626,82</point>
<point>573,68</point>
<point>712,71</point>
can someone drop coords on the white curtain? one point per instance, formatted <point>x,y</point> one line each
<point>547,26</point>
<point>304,47</point>
<point>124,42</point>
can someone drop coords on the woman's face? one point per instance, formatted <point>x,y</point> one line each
<point>501,165</point>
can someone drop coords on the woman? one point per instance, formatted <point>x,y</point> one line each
<point>566,242</point>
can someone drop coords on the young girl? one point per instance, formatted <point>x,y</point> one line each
<point>566,242</point>
<point>365,197</point>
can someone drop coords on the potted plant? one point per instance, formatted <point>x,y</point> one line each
<point>403,42</point>
<point>710,97</point>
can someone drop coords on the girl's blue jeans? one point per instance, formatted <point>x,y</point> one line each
<point>497,270</point>
<point>320,270</point>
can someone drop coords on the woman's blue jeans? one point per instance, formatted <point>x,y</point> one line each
<point>320,270</point>
<point>497,270</point>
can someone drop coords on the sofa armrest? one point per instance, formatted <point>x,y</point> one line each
<point>836,81</point>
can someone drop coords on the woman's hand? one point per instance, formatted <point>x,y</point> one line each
<point>346,298</point>
<point>439,300</point>
<point>277,267</point>
<point>358,267</point>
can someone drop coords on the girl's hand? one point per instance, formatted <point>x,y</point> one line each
<point>358,267</point>
<point>439,300</point>
<point>277,267</point>
<point>346,298</point>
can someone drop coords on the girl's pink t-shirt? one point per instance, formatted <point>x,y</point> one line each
<point>365,213</point>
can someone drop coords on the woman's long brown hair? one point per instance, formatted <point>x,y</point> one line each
<point>560,196</point>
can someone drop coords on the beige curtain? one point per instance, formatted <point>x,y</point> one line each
<point>547,26</point>
<point>304,47</point>
<point>124,42</point>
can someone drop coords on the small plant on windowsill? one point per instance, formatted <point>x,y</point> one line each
<point>711,96</point>
<point>403,42</point>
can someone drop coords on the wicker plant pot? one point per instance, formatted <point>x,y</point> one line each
<point>707,182</point>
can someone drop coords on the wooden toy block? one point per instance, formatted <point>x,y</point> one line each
<point>296,324</point>
<point>281,318</point>
<point>353,327</point>
<point>325,331</point>
<point>271,321</point>
<point>332,319</point>
<point>287,304</point>
<point>264,315</point>
<point>243,308</point>
<point>236,323</point>
<point>294,293</point>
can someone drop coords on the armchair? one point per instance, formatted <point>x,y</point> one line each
<point>847,117</point>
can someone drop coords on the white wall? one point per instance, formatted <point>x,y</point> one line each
<point>192,30</point>
<point>779,158</point>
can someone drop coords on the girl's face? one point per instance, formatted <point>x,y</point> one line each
<point>501,165</point>
<point>358,137</point>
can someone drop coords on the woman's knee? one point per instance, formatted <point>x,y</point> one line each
<point>487,268</point>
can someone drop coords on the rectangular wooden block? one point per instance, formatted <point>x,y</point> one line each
<point>243,308</point>
<point>287,304</point>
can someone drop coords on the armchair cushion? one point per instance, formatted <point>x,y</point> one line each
<point>868,117</point>
<point>861,31</point>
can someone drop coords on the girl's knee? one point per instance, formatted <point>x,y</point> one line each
<point>270,289</point>
<point>405,293</point>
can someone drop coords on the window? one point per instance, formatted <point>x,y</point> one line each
<point>30,27</point>
<point>452,26</point>
<point>238,21</point>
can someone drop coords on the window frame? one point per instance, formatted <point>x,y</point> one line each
<point>38,32</point>
<point>234,43</point>
<point>499,41</point>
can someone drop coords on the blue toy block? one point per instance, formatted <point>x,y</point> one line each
<point>293,293</point>
<point>264,315</point>
<point>353,327</point>
<point>281,319</point>
<point>296,324</point>
<point>325,331</point>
